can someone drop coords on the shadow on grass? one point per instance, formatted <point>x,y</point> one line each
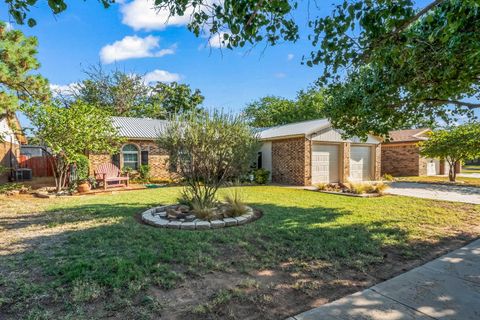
<point>117,252</point>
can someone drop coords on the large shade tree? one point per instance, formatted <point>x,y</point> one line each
<point>456,144</point>
<point>424,59</point>
<point>127,94</point>
<point>70,131</point>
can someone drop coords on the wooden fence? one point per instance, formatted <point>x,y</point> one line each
<point>41,166</point>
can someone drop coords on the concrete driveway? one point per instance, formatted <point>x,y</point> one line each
<point>445,288</point>
<point>436,192</point>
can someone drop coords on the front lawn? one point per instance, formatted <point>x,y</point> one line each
<point>461,181</point>
<point>88,257</point>
<point>471,168</point>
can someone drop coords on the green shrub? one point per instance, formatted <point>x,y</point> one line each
<point>261,176</point>
<point>235,204</point>
<point>144,172</point>
<point>82,165</point>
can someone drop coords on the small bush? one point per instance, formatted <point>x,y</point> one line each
<point>321,186</point>
<point>388,177</point>
<point>260,176</point>
<point>202,211</point>
<point>144,172</point>
<point>235,204</point>
<point>82,165</point>
<point>381,187</point>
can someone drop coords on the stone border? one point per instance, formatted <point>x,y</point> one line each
<point>357,195</point>
<point>157,217</point>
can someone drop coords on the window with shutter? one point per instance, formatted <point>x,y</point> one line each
<point>116,159</point>
<point>144,157</point>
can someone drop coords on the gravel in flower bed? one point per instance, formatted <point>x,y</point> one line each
<point>181,217</point>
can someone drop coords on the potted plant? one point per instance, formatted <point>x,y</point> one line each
<point>83,186</point>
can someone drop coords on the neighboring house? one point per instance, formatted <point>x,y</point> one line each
<point>401,155</point>
<point>140,147</point>
<point>11,137</point>
<point>311,152</point>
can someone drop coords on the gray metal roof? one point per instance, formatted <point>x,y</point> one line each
<point>295,129</point>
<point>139,128</point>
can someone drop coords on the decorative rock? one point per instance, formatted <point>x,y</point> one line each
<point>190,218</point>
<point>217,224</point>
<point>172,217</point>
<point>183,208</point>
<point>174,224</point>
<point>188,225</point>
<point>241,220</point>
<point>202,225</point>
<point>230,221</point>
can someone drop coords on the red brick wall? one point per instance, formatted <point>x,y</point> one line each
<point>291,161</point>
<point>401,160</point>
<point>157,159</point>
<point>6,150</point>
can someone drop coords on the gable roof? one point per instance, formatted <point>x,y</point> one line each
<point>409,135</point>
<point>139,128</point>
<point>304,128</point>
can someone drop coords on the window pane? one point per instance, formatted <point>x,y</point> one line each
<point>132,165</point>
<point>130,157</point>
<point>130,147</point>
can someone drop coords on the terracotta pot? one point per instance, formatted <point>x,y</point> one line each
<point>83,187</point>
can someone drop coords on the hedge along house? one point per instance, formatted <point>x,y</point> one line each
<point>310,152</point>
<point>140,147</point>
<point>401,155</point>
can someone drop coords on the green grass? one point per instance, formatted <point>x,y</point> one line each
<point>85,257</point>
<point>471,169</point>
<point>463,181</point>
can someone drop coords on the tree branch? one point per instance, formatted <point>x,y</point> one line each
<point>420,13</point>
<point>469,105</point>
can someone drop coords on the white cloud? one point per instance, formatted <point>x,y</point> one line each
<point>161,76</point>
<point>63,89</point>
<point>9,26</point>
<point>290,56</point>
<point>217,41</point>
<point>280,75</point>
<point>133,47</point>
<point>141,14</point>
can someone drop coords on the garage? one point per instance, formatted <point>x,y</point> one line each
<point>325,159</point>
<point>360,163</point>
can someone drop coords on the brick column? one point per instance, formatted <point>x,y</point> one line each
<point>345,174</point>
<point>378,162</point>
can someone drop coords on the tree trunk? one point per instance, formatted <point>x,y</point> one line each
<point>452,173</point>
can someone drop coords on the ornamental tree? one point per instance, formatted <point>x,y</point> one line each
<point>455,145</point>
<point>70,131</point>
<point>18,85</point>
<point>207,150</point>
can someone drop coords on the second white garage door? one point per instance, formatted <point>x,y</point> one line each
<point>360,163</point>
<point>324,163</point>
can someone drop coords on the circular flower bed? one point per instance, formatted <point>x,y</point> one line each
<point>181,217</point>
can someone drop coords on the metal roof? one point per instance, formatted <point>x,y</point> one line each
<point>295,129</point>
<point>139,128</point>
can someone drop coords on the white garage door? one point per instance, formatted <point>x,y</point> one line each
<point>360,163</point>
<point>324,163</point>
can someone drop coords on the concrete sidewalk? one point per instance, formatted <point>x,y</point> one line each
<point>445,288</point>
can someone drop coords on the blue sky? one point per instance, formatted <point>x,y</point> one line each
<point>73,40</point>
<point>130,37</point>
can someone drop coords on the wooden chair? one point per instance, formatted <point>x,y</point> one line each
<point>109,172</point>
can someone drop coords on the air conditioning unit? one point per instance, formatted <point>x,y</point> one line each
<point>22,174</point>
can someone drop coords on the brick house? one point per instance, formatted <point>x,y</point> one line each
<point>310,152</point>
<point>401,155</point>
<point>140,147</point>
<point>11,137</point>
